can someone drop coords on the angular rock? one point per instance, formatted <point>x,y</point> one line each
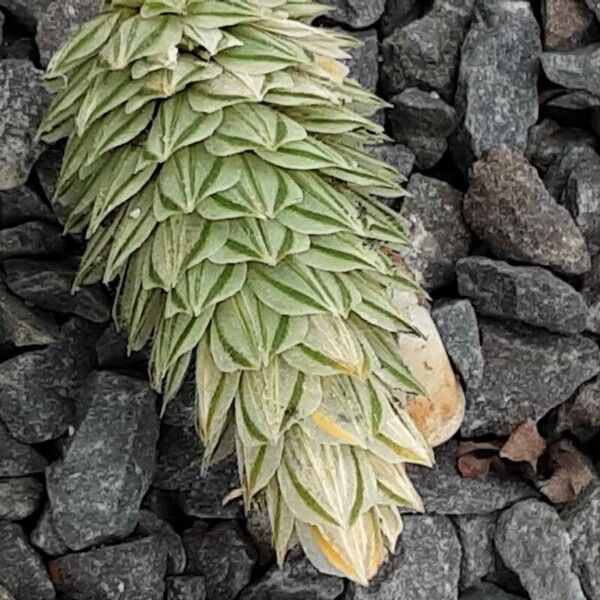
<point>45,537</point>
<point>528,294</point>
<point>38,387</point>
<point>581,415</point>
<point>582,199</point>
<point>364,64</point>
<point>47,169</point>
<point>60,19</point>
<point>130,571</point>
<point>577,70</point>
<point>508,207</point>
<point>476,534</point>
<point>258,526</point>
<point>396,155</point>
<point>26,11</point>
<point>19,205</point>
<point>96,491</point>
<point>297,580</point>
<point>562,102</point>
<point>150,524</point>
<point>178,466</point>
<point>186,587</point>
<point>19,497</point>
<point>534,543</point>
<point>591,293</point>
<point>445,492</point>
<point>574,156</point>
<point>358,14</point>
<point>17,459</point>
<point>488,591</point>
<point>582,521</point>
<point>21,326</point>
<point>427,565</point>
<point>399,13</point>
<point>221,554</point>
<point>180,410</point>
<point>527,373</point>
<point>425,53</point>
<point>423,122</point>
<point>566,23</point>
<point>31,239</point>
<point>48,284</point>
<point>498,109</point>
<point>23,100</point>
<point>437,230</point>
<point>22,571</point>
<point>112,351</point>
<point>548,140</point>
<point>457,324</point>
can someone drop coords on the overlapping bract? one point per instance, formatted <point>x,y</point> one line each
<point>217,164</point>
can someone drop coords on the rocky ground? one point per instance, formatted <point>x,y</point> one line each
<point>495,119</point>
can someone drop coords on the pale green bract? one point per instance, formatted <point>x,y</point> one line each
<point>217,164</point>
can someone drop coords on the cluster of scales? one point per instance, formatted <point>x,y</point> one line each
<point>217,164</point>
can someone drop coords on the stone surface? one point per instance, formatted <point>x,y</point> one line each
<point>297,580</point>
<point>96,491</point>
<point>566,23</point>
<point>18,459</point>
<point>19,497</point>
<point>60,19</point>
<point>27,11</point>
<point>151,524</point>
<point>48,284</point>
<point>574,157</point>
<point>4,593</point>
<point>534,543</point>
<point>21,326</point>
<point>591,293</point>
<point>364,64</point>
<point>38,387</point>
<point>487,591</point>
<point>427,565</point>
<point>529,294</point>
<point>548,140</point>
<point>438,413</point>
<point>396,155</point>
<point>438,233</point>
<point>23,100</point>
<point>582,521</point>
<point>399,13</point>
<point>457,324</point>
<point>527,373</point>
<point>425,53</point>
<point>31,239</point>
<point>22,571</point>
<point>131,571</point>
<point>112,351</point>
<point>22,204</point>
<point>186,587</point>
<point>444,491</point>
<point>581,415</point>
<point>508,207</point>
<point>476,534</point>
<point>577,69</point>
<point>178,465</point>
<point>422,121</point>
<point>223,555</point>
<point>498,108</point>
<point>595,6</point>
<point>582,199</point>
<point>358,14</point>
<point>45,537</point>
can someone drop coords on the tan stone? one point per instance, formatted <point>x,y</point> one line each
<point>439,414</point>
<point>566,23</point>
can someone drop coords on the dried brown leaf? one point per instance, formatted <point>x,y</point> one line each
<point>525,444</point>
